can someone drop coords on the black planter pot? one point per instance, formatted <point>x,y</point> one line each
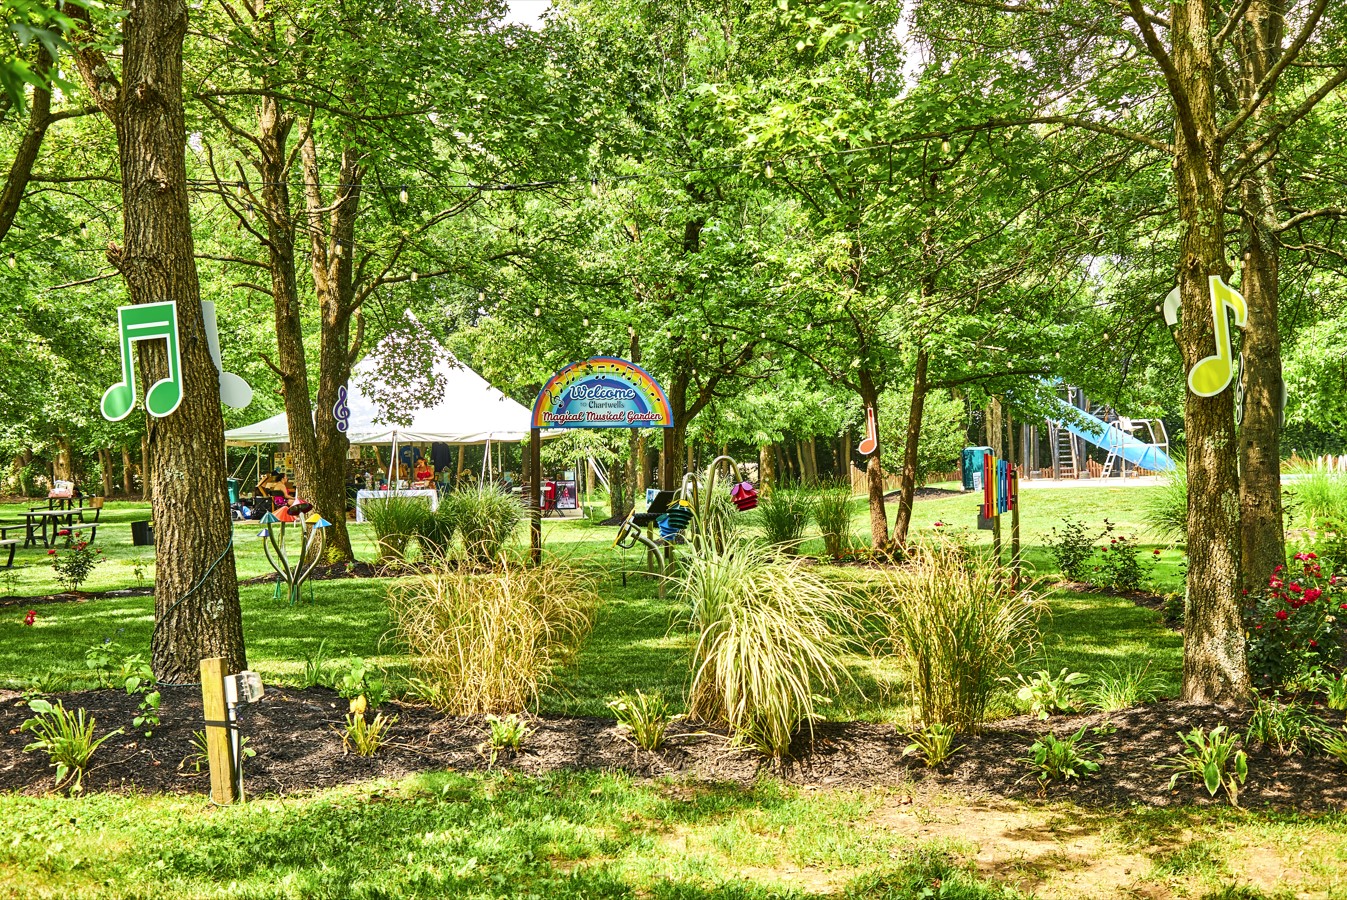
<point>142,534</point>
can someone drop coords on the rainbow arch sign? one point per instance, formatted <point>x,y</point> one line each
<point>602,392</point>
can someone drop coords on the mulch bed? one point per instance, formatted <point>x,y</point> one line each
<point>299,749</point>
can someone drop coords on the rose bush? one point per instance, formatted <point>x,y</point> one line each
<point>1293,626</point>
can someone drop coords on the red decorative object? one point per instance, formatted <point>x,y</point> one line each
<point>744,495</point>
<point>31,617</point>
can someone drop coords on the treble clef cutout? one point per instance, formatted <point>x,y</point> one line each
<point>341,411</point>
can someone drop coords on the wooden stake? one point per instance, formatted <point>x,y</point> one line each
<point>217,736</point>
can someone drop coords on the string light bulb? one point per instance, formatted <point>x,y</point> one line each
<point>84,230</point>
<point>594,185</point>
<point>402,194</point>
<point>481,296</point>
<point>414,276</point>
<point>338,249</point>
<point>944,145</point>
<point>13,261</point>
<point>767,170</point>
<point>586,322</point>
<point>631,331</point>
<point>537,311</point>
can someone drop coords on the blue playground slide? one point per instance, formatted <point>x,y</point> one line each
<point>1111,437</point>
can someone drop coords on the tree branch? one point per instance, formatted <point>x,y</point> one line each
<point>1182,104</point>
<point>1269,82</point>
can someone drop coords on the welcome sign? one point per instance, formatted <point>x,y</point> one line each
<point>603,392</point>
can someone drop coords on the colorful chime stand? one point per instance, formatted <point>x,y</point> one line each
<point>275,546</point>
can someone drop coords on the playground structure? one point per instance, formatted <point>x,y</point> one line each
<point>1131,447</point>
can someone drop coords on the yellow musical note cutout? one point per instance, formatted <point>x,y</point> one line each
<point>1213,374</point>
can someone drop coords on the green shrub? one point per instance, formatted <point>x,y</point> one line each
<point>486,517</point>
<point>1123,686</point>
<point>365,736</point>
<point>1071,547</point>
<point>1321,495</point>
<point>1166,509</point>
<point>769,641</point>
<point>958,631</point>
<point>934,743</point>
<point>1060,759</point>
<point>832,512</point>
<point>784,516</point>
<point>1284,728</point>
<point>1122,565</point>
<point>644,716</point>
<point>436,532</point>
<point>1042,694</point>
<point>67,738</point>
<point>1212,758</point>
<point>395,520</point>
<point>75,563</point>
<point>506,733</point>
<point>487,642</point>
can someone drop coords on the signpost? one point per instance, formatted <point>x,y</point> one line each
<point>602,392</point>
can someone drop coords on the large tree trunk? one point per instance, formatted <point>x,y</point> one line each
<point>874,472</point>
<point>907,487</point>
<point>196,598</point>
<point>1263,545</point>
<point>766,470</point>
<point>333,252</point>
<point>105,464</point>
<point>126,470</point>
<point>273,168</point>
<point>21,169</point>
<point>1214,665</point>
<point>146,465</point>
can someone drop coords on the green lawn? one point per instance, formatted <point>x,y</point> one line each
<point>636,643</point>
<point>595,835</point>
<point>587,836</point>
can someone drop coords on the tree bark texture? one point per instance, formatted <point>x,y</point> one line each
<point>1263,545</point>
<point>273,169</point>
<point>766,470</point>
<point>21,169</point>
<point>907,486</point>
<point>874,471</point>
<point>126,470</point>
<point>1214,665</point>
<point>333,254</point>
<point>197,612</point>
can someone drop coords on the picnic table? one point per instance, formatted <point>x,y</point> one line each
<point>73,516</point>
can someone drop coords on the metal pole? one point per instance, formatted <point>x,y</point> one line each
<point>535,492</point>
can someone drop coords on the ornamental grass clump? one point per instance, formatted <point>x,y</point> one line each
<point>486,517</point>
<point>771,642</point>
<point>832,512</point>
<point>784,516</point>
<point>958,631</point>
<point>487,642</point>
<point>395,520</point>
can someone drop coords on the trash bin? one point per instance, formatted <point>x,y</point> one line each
<point>234,485</point>
<point>972,465</point>
<point>142,535</point>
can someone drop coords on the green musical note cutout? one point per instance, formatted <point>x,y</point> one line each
<point>1213,374</point>
<point>146,322</point>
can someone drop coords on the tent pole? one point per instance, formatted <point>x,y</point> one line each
<point>535,492</point>
<point>392,463</point>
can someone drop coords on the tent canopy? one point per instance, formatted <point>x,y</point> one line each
<point>468,411</point>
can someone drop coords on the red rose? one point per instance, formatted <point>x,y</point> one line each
<point>31,617</point>
<point>51,552</point>
<point>1296,588</point>
<point>1313,594</point>
<point>1314,643</point>
<point>1281,614</point>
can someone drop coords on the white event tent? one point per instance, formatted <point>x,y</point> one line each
<point>468,411</point>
